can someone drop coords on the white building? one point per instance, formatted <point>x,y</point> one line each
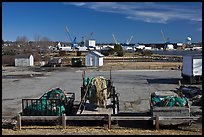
<point>105,46</point>
<point>24,60</point>
<point>140,47</point>
<point>81,48</point>
<point>90,43</point>
<point>126,48</point>
<point>170,47</point>
<point>148,48</point>
<point>143,47</point>
<point>94,59</point>
<point>192,68</point>
<point>63,47</point>
<point>68,48</point>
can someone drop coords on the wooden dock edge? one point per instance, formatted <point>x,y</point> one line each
<point>106,117</point>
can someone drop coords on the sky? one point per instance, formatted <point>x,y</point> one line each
<point>142,20</point>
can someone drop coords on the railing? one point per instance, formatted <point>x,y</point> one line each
<point>104,117</point>
<point>41,107</point>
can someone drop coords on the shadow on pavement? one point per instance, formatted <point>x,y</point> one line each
<point>164,81</point>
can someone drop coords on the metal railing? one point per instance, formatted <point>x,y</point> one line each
<point>41,107</point>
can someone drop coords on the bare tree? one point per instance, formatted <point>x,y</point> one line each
<point>45,39</point>
<point>22,40</point>
<point>44,44</point>
<point>37,40</point>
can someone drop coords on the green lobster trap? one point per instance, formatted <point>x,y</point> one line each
<point>54,102</point>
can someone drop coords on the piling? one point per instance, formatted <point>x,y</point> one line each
<point>157,122</point>
<point>19,122</point>
<point>63,121</point>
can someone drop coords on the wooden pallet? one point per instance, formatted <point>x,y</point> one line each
<point>92,109</point>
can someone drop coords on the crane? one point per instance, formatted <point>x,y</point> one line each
<point>74,44</point>
<point>89,37</point>
<point>115,40</point>
<point>166,40</point>
<point>128,41</point>
<point>86,39</point>
<point>67,30</point>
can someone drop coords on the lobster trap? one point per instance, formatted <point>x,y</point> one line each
<point>98,93</point>
<point>52,103</point>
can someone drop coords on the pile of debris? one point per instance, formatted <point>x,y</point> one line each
<point>170,101</point>
<point>9,123</point>
<point>193,93</point>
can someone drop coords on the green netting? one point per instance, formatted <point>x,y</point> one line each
<point>95,84</point>
<point>170,101</point>
<point>47,105</point>
<point>181,101</point>
<point>156,101</point>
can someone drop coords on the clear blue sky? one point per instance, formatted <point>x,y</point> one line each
<point>143,20</point>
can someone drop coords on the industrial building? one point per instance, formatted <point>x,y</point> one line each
<point>90,44</point>
<point>157,46</point>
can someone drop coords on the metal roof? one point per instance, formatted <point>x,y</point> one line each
<point>23,56</point>
<point>96,53</point>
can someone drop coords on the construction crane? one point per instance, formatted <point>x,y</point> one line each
<point>83,41</point>
<point>128,41</point>
<point>73,41</point>
<point>166,40</point>
<point>115,40</point>
<point>87,38</point>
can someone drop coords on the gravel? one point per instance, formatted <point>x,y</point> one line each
<point>134,87</point>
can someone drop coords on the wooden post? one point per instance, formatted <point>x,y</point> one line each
<point>81,93</point>
<point>114,102</point>
<point>109,118</point>
<point>179,83</point>
<point>19,122</point>
<point>157,122</point>
<point>64,121</point>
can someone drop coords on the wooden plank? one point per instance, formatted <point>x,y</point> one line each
<point>151,118</point>
<point>109,118</point>
<point>19,122</point>
<point>64,121</point>
<point>39,117</point>
<point>179,118</point>
<point>101,117</point>
<point>114,102</point>
<point>157,122</point>
<point>109,121</point>
<point>90,112</point>
<point>86,117</point>
<point>131,118</point>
